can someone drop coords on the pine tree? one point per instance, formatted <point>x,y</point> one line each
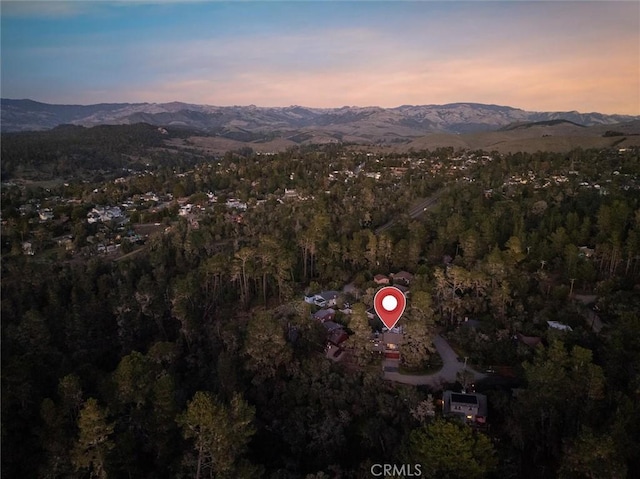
<point>220,433</point>
<point>93,444</point>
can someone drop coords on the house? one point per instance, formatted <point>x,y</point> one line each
<point>45,214</point>
<point>331,297</point>
<point>559,326</point>
<point>66,241</point>
<point>92,217</point>
<point>290,194</point>
<point>471,408</point>
<point>27,248</point>
<point>233,203</point>
<point>105,214</point>
<point>531,341</point>
<point>333,352</point>
<point>331,326</point>
<point>316,299</point>
<point>335,333</point>
<point>310,299</point>
<point>185,209</point>
<point>150,196</point>
<point>324,315</point>
<point>323,299</point>
<point>381,279</point>
<point>402,277</point>
<point>392,342</point>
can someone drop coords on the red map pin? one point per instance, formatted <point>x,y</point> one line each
<point>389,303</point>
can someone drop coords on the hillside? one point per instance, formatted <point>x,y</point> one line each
<point>249,123</point>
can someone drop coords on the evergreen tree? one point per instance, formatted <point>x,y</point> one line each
<point>91,450</point>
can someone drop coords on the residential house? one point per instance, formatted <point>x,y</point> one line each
<point>531,341</point>
<point>185,209</point>
<point>27,248</point>
<point>290,194</point>
<point>323,299</point>
<point>381,279</point>
<point>333,352</point>
<point>392,342</point>
<point>559,326</point>
<point>45,214</point>
<point>66,241</point>
<point>150,196</point>
<point>325,315</point>
<point>331,297</point>
<point>335,333</point>
<point>471,408</point>
<point>105,214</point>
<point>402,277</point>
<point>235,203</point>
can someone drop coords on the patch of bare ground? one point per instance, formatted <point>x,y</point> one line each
<point>217,145</point>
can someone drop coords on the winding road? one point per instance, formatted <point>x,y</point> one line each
<point>451,366</point>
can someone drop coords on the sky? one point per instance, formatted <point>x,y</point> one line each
<point>538,56</point>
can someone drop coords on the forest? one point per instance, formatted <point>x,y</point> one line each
<point>197,356</point>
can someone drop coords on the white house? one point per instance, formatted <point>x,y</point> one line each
<point>559,326</point>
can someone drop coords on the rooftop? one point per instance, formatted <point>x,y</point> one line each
<point>464,398</point>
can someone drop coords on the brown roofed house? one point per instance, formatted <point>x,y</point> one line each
<point>403,277</point>
<point>381,279</point>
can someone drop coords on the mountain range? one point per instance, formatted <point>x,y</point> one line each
<point>465,125</point>
<point>363,123</point>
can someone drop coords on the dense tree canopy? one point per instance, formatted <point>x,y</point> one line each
<point>194,354</point>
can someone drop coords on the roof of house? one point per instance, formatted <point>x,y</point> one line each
<point>464,398</point>
<point>338,336</point>
<point>327,295</point>
<point>331,326</point>
<point>324,313</point>
<point>531,341</point>
<point>392,338</point>
<point>560,326</point>
<point>403,275</point>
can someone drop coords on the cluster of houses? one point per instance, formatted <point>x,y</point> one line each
<point>336,334</point>
<point>105,214</point>
<point>387,342</point>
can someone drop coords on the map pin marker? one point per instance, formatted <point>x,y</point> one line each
<point>389,303</point>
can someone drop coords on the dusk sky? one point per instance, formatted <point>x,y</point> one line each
<point>541,56</point>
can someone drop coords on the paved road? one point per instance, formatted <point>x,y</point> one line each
<point>450,368</point>
<point>416,210</point>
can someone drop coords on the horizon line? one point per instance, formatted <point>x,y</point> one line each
<point>293,105</point>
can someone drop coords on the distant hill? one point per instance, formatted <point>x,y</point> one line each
<point>552,135</point>
<point>516,126</point>
<point>364,125</point>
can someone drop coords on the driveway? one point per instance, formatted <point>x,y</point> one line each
<point>451,366</point>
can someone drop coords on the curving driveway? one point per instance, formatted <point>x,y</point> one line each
<point>450,368</point>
